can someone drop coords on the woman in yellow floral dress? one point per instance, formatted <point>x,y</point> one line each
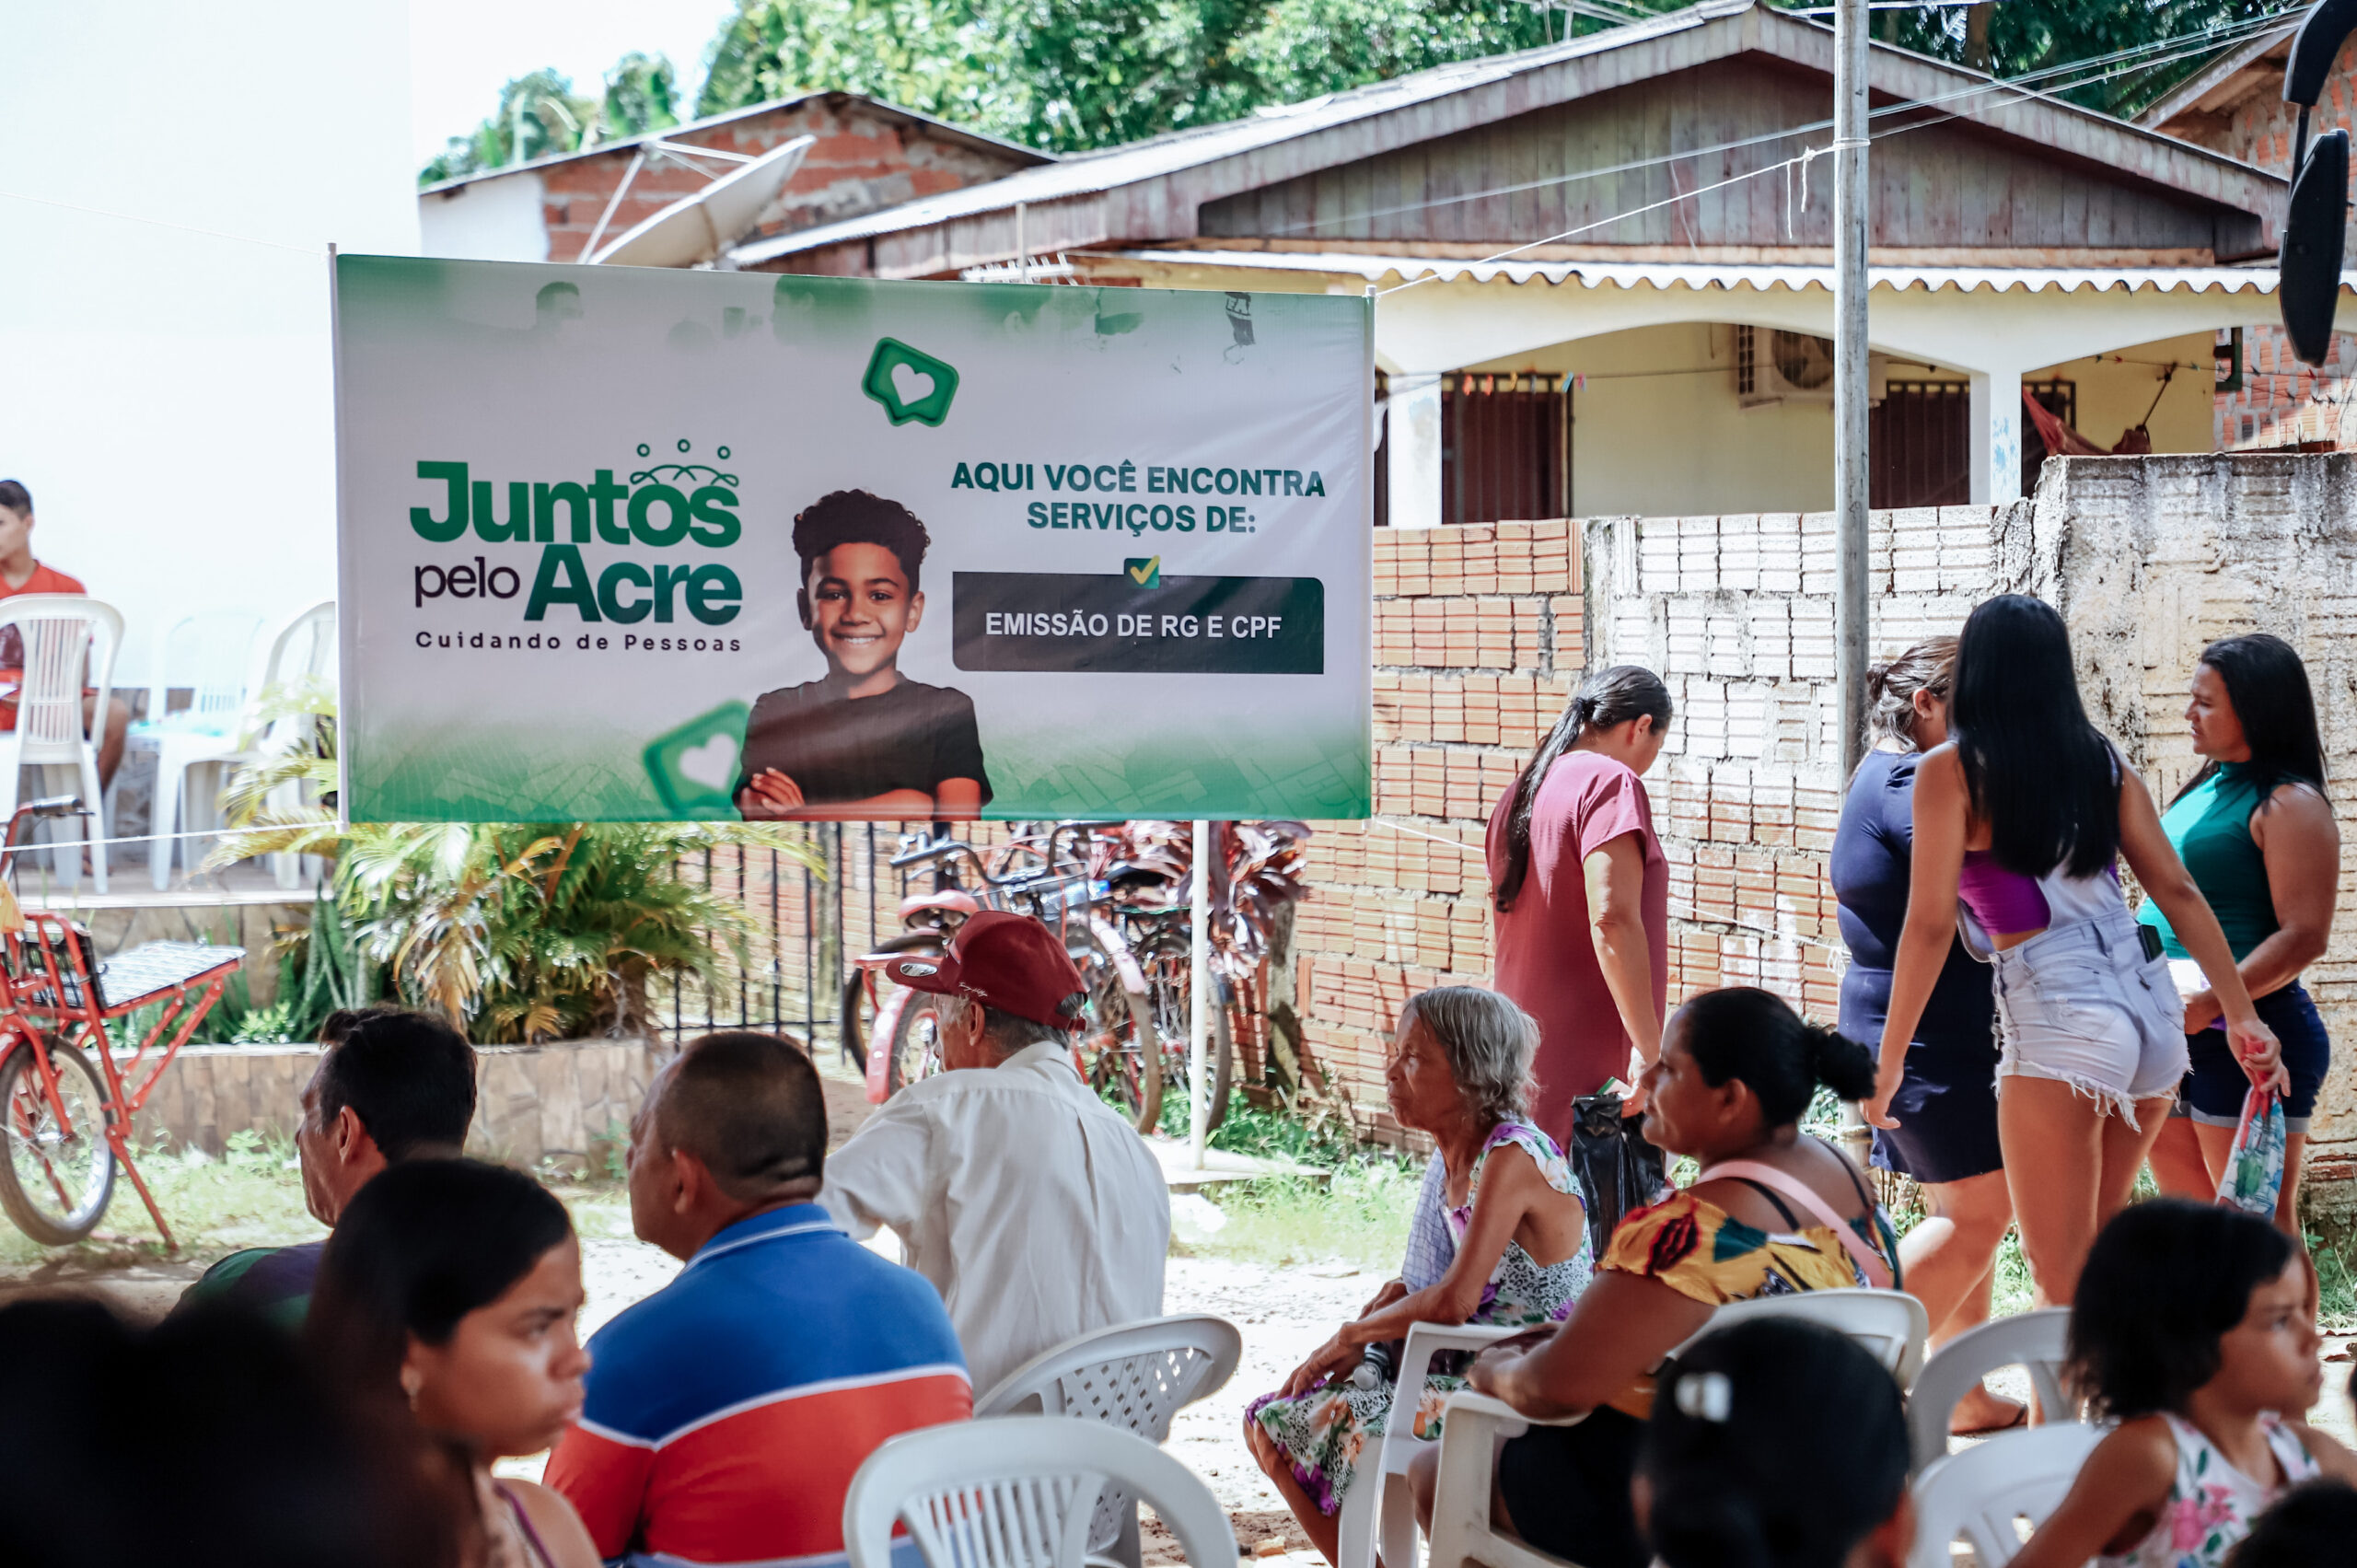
<point>1458,1069</point>
<point>1773,1212</point>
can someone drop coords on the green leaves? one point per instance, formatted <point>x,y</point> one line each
<point>1071,75</point>
<point>518,932</point>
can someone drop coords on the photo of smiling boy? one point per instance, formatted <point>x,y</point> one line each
<point>863,740</point>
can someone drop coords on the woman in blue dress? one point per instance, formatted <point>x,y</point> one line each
<point>1946,1106</point>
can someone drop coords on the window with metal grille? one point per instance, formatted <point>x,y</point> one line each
<point>1502,448</point>
<point>1919,444</point>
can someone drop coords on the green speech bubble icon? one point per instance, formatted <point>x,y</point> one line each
<point>909,383</point>
<point>695,767</point>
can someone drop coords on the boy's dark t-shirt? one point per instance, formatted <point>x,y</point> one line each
<point>845,748</point>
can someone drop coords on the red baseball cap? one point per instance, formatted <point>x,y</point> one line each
<point>1012,962</point>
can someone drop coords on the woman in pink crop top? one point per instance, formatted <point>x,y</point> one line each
<point>2018,819</point>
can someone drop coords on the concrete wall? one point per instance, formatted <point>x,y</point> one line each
<point>566,1102</point>
<point>1481,633</point>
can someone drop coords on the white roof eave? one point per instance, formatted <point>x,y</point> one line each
<point>1725,275</point>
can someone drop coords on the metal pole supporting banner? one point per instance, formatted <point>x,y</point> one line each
<point>1849,285</point>
<point>1199,1110</point>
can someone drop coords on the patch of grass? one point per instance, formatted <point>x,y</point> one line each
<point>251,1196</point>
<point>1274,1132</point>
<point>1358,1215</point>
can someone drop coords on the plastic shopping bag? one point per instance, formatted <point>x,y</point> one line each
<point>2254,1177</point>
<point>1618,1172</point>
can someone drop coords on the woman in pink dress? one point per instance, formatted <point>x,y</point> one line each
<point>1582,894</point>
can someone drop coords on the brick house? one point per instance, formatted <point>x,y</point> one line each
<point>869,155</point>
<point>2235,106</point>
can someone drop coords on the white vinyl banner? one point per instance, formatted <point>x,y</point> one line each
<point>635,544</point>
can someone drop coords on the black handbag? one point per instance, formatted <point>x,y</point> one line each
<point>1618,1172</point>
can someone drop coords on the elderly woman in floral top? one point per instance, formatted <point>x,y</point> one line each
<point>1458,1070</point>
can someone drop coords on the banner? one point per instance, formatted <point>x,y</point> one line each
<point>629,544</point>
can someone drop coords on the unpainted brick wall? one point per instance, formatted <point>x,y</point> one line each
<point>1480,635</point>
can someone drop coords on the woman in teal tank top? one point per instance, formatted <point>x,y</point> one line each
<point>2255,831</point>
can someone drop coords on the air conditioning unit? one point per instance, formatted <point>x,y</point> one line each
<point>1776,367</point>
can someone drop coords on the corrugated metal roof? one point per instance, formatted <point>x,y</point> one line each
<point>1708,274</point>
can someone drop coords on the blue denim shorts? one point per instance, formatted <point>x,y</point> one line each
<point>2080,1005</point>
<point>2215,1087</point>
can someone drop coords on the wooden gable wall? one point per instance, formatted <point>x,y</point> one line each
<point>1941,189</point>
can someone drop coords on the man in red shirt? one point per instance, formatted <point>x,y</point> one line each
<point>20,573</point>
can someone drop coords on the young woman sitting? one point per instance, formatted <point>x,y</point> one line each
<point>1771,1213</point>
<point>1458,1070</point>
<point>452,1286</point>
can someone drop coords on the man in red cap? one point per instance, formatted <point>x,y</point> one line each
<point>1036,1211</point>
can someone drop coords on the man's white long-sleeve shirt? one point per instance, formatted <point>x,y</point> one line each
<point>1036,1211</point>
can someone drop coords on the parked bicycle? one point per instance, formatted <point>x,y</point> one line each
<point>69,1121</point>
<point>898,1033</point>
<point>1122,893</point>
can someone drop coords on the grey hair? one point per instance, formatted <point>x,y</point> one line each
<point>1004,1033</point>
<point>1490,1043</point>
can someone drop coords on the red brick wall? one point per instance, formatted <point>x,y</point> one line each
<point>1481,633</point>
<point>864,160</point>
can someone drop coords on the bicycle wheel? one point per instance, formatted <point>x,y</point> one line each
<point>59,1175</point>
<point>1118,1045</point>
<point>859,1011</point>
<point>915,1044</point>
<point>1169,968</point>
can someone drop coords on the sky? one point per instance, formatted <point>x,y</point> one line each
<point>462,51</point>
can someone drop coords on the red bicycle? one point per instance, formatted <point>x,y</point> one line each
<point>69,1121</point>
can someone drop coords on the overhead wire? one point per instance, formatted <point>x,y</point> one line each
<point>2196,43</point>
<point>2119,60</point>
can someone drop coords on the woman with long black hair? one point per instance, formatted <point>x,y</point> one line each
<point>2255,831</point>
<point>1581,892</point>
<point>1946,1103</point>
<point>2018,819</point>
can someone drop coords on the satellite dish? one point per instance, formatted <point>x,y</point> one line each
<point>700,227</point>
<point>2315,220</point>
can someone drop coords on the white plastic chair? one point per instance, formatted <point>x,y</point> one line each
<point>64,635</point>
<point>1890,1324</point>
<point>303,651</point>
<point>1134,1377</point>
<point>1980,1493</point>
<point>1378,1512</point>
<point>1020,1492</point>
<point>2033,1340</point>
<point>211,652</point>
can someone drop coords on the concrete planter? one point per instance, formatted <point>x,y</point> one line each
<point>566,1101</point>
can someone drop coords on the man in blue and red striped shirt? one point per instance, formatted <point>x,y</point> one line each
<point>728,1412</point>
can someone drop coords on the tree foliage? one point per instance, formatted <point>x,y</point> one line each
<point>1070,74</point>
<point>2029,36</point>
<point>642,95</point>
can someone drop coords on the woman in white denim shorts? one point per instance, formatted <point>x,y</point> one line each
<point>2018,820</point>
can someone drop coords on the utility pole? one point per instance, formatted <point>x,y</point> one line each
<point>1850,283</point>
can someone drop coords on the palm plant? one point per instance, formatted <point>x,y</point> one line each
<point>520,931</point>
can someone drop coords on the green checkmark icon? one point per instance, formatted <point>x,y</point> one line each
<point>1146,573</point>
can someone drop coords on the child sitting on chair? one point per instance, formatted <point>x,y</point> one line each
<point>2191,1328</point>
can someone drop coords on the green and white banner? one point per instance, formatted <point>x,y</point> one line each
<point>626,543</point>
